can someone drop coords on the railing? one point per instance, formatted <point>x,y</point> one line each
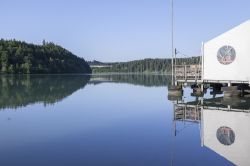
<point>188,72</point>
<point>187,113</point>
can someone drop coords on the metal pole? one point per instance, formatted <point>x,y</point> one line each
<point>202,62</point>
<point>172,26</point>
<point>175,60</point>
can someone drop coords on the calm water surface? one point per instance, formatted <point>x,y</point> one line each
<point>120,120</point>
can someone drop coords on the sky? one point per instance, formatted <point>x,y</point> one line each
<point>120,30</point>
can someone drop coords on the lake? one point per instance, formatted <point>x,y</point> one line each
<point>120,120</point>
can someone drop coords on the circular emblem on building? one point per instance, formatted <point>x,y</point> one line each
<point>226,55</point>
<point>225,135</point>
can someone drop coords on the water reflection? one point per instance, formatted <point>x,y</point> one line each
<point>223,125</point>
<point>135,79</point>
<point>23,90</point>
<point>109,123</point>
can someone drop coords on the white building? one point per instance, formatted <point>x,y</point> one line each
<point>227,134</point>
<point>226,58</point>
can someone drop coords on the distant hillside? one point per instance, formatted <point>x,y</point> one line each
<point>98,63</point>
<point>24,58</point>
<point>141,66</point>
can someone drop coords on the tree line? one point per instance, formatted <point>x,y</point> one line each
<point>18,57</point>
<point>143,66</point>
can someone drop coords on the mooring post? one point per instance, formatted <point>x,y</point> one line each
<point>185,72</point>
<point>202,87</point>
<point>195,73</point>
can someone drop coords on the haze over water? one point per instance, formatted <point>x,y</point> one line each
<point>112,120</point>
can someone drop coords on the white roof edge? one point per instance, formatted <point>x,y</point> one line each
<point>235,27</point>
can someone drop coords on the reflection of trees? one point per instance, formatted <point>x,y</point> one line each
<point>21,90</point>
<point>136,79</point>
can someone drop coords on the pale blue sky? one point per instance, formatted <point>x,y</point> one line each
<point>120,30</point>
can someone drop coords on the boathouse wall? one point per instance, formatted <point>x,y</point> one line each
<point>227,57</point>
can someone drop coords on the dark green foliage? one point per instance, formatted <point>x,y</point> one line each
<point>144,66</point>
<point>20,57</point>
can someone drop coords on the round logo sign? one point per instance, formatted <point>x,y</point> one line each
<point>226,55</point>
<point>225,135</point>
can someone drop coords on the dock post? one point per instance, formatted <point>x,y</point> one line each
<point>195,73</point>
<point>202,87</point>
<point>185,72</point>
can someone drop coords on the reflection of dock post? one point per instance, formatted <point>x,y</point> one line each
<point>202,87</point>
<point>230,91</point>
<point>202,126</point>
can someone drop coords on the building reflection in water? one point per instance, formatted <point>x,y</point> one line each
<point>224,125</point>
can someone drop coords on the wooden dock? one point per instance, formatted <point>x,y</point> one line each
<point>188,73</point>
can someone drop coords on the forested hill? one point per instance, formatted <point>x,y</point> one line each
<point>48,58</point>
<point>142,66</point>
